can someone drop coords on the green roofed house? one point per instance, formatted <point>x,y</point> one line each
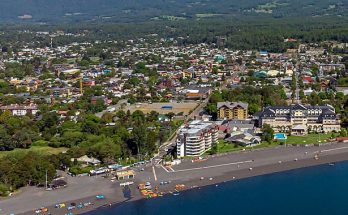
<point>163,118</point>
<point>219,58</point>
<point>260,74</point>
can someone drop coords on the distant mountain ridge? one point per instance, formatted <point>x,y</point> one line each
<point>144,10</point>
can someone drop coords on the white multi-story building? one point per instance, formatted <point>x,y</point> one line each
<point>195,138</point>
<point>21,110</point>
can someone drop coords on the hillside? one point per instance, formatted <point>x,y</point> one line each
<point>145,10</point>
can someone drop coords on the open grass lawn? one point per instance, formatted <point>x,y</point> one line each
<point>39,149</point>
<point>71,60</point>
<point>224,147</point>
<point>308,139</point>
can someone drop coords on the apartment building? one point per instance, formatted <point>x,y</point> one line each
<point>232,110</point>
<point>195,138</point>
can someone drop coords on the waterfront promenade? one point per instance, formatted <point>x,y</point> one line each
<point>216,169</point>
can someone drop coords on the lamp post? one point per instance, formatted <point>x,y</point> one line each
<point>46,180</point>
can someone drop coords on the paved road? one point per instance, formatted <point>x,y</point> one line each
<point>116,107</point>
<point>226,166</point>
<point>223,164</point>
<point>195,113</point>
<point>172,142</point>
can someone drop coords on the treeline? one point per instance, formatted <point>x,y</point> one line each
<point>20,170</point>
<point>110,138</point>
<point>113,138</point>
<point>136,11</point>
<point>251,33</point>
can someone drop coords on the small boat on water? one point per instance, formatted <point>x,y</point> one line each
<point>176,194</point>
<point>331,164</point>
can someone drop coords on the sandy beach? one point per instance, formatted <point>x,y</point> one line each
<point>217,169</point>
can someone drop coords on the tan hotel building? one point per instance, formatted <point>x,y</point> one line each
<point>232,110</point>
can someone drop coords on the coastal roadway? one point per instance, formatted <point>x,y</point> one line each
<point>215,169</point>
<point>227,166</point>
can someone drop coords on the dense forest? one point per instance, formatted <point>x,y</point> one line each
<point>144,10</point>
<point>246,34</point>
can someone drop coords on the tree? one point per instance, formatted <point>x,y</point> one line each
<point>267,133</point>
<point>301,94</point>
<point>214,148</point>
<point>5,115</point>
<point>138,116</point>
<point>121,114</point>
<point>48,120</point>
<point>22,138</point>
<point>211,109</point>
<point>215,97</point>
<point>152,116</point>
<point>343,132</point>
<point>107,117</point>
<point>170,115</point>
<point>89,126</point>
<point>139,136</point>
<point>106,150</point>
<point>253,108</point>
<point>6,143</point>
<point>4,190</point>
<point>71,138</point>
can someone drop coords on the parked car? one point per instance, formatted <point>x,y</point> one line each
<point>100,197</point>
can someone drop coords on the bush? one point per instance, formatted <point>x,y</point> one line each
<point>4,190</point>
<point>76,170</point>
<point>40,143</point>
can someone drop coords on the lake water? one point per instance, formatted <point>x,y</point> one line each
<point>320,190</point>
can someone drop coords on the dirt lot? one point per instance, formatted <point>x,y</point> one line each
<point>177,107</point>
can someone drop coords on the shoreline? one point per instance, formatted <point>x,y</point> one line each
<point>115,197</point>
<point>246,173</point>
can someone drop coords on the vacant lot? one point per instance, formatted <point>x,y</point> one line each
<point>185,108</point>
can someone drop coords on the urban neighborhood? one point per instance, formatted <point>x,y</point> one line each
<point>156,116</point>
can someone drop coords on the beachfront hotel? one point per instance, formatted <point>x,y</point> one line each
<point>195,138</point>
<point>300,119</point>
<point>232,110</point>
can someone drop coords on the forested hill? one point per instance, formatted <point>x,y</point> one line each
<point>144,10</point>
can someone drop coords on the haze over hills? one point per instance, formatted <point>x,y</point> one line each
<point>145,10</point>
